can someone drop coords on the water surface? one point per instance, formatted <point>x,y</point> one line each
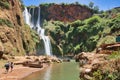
<point>57,71</point>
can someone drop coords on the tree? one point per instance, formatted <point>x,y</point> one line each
<point>76,3</point>
<point>96,9</point>
<point>93,20</point>
<point>91,4</point>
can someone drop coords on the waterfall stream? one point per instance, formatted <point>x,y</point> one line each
<point>30,19</point>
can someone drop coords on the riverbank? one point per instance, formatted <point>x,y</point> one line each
<point>18,72</point>
<point>26,65</point>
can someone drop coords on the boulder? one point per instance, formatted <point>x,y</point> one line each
<point>36,65</point>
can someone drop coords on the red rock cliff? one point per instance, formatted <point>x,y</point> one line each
<point>66,13</point>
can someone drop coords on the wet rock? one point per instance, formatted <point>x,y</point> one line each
<point>35,65</point>
<point>66,60</point>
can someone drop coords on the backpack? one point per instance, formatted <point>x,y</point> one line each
<point>7,65</point>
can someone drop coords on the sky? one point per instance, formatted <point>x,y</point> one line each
<point>102,4</point>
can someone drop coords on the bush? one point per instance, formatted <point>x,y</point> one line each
<point>93,20</point>
<point>77,23</point>
<point>5,5</point>
<point>6,22</point>
<point>114,55</point>
<point>100,75</point>
<point>22,5</point>
<point>115,24</point>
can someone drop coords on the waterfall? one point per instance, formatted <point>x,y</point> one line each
<point>29,17</point>
<point>32,18</point>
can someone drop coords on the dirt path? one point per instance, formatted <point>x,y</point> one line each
<point>18,73</point>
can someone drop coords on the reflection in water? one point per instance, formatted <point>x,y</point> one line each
<point>57,71</point>
<point>47,75</point>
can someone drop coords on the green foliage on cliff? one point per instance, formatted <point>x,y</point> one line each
<point>46,4</point>
<point>109,70</point>
<point>6,22</point>
<point>22,5</point>
<point>115,24</point>
<point>84,35</point>
<point>107,75</point>
<point>4,4</point>
<point>114,55</point>
<point>30,39</point>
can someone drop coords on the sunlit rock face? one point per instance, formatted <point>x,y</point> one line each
<point>11,27</point>
<point>15,38</point>
<point>65,13</point>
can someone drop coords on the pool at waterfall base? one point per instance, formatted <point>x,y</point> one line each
<point>57,71</point>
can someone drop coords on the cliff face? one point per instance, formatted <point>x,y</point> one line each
<point>14,36</point>
<point>65,13</point>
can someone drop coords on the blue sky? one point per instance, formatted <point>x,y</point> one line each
<point>102,4</point>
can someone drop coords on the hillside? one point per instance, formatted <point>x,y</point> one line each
<point>72,28</point>
<point>16,38</point>
<point>84,35</point>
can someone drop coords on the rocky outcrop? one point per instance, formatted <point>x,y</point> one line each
<point>36,61</point>
<point>108,48</point>
<point>14,35</point>
<point>97,66</point>
<point>65,13</point>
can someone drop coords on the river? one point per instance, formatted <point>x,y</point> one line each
<point>57,71</point>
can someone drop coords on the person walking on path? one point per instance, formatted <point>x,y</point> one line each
<point>11,66</point>
<point>7,66</point>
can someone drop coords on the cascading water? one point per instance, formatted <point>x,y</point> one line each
<point>26,16</point>
<point>35,24</point>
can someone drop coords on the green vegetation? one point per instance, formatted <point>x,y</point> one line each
<point>115,55</point>
<point>47,4</point>
<point>109,70</point>
<point>107,75</point>
<point>6,22</point>
<point>115,24</point>
<point>32,6</point>
<point>85,35</point>
<point>4,4</point>
<point>30,39</point>
<point>50,4</point>
<point>95,8</point>
<point>22,5</point>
